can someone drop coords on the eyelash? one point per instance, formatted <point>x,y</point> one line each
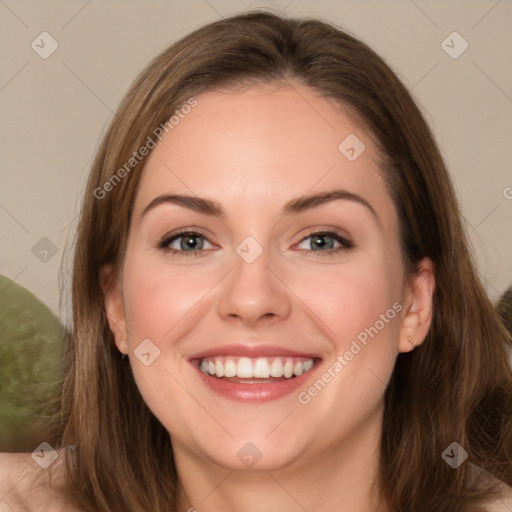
<point>346,245</point>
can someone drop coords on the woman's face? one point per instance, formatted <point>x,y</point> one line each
<point>258,289</point>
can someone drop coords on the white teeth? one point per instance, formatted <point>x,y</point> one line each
<point>307,366</point>
<point>288,369</point>
<point>276,368</point>
<point>244,368</point>
<point>260,368</point>
<point>219,369</point>
<point>229,368</point>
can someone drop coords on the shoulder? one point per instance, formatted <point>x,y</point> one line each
<point>13,467</point>
<point>26,484</point>
<point>504,502</point>
<point>14,471</point>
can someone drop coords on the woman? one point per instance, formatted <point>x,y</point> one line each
<point>274,301</point>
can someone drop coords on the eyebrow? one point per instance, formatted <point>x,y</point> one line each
<point>294,206</point>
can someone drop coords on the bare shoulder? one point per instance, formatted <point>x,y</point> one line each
<point>504,502</point>
<point>29,483</point>
<point>14,470</point>
<point>13,467</point>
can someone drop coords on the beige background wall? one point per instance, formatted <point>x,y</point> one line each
<point>54,109</point>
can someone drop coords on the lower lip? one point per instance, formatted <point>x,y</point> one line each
<point>254,392</point>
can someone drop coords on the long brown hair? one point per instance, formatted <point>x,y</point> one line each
<point>456,387</point>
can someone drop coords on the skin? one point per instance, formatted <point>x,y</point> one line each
<point>24,485</point>
<point>252,151</point>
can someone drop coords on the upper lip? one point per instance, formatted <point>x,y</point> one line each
<point>252,351</point>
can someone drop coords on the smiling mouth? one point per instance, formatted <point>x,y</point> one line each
<point>245,370</point>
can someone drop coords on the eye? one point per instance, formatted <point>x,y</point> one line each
<point>325,241</point>
<point>190,243</point>
<point>185,243</point>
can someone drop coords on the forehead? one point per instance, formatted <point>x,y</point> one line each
<point>261,145</point>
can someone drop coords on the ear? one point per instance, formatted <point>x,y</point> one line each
<point>418,307</point>
<point>114,306</point>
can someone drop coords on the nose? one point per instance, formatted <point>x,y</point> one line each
<point>254,293</point>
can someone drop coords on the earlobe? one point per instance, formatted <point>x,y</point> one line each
<point>418,310</point>
<point>114,306</point>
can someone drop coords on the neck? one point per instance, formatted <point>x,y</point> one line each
<point>343,477</point>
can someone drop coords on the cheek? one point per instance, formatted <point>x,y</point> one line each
<point>159,302</point>
<point>158,297</point>
<point>347,299</point>
<point>359,308</point>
